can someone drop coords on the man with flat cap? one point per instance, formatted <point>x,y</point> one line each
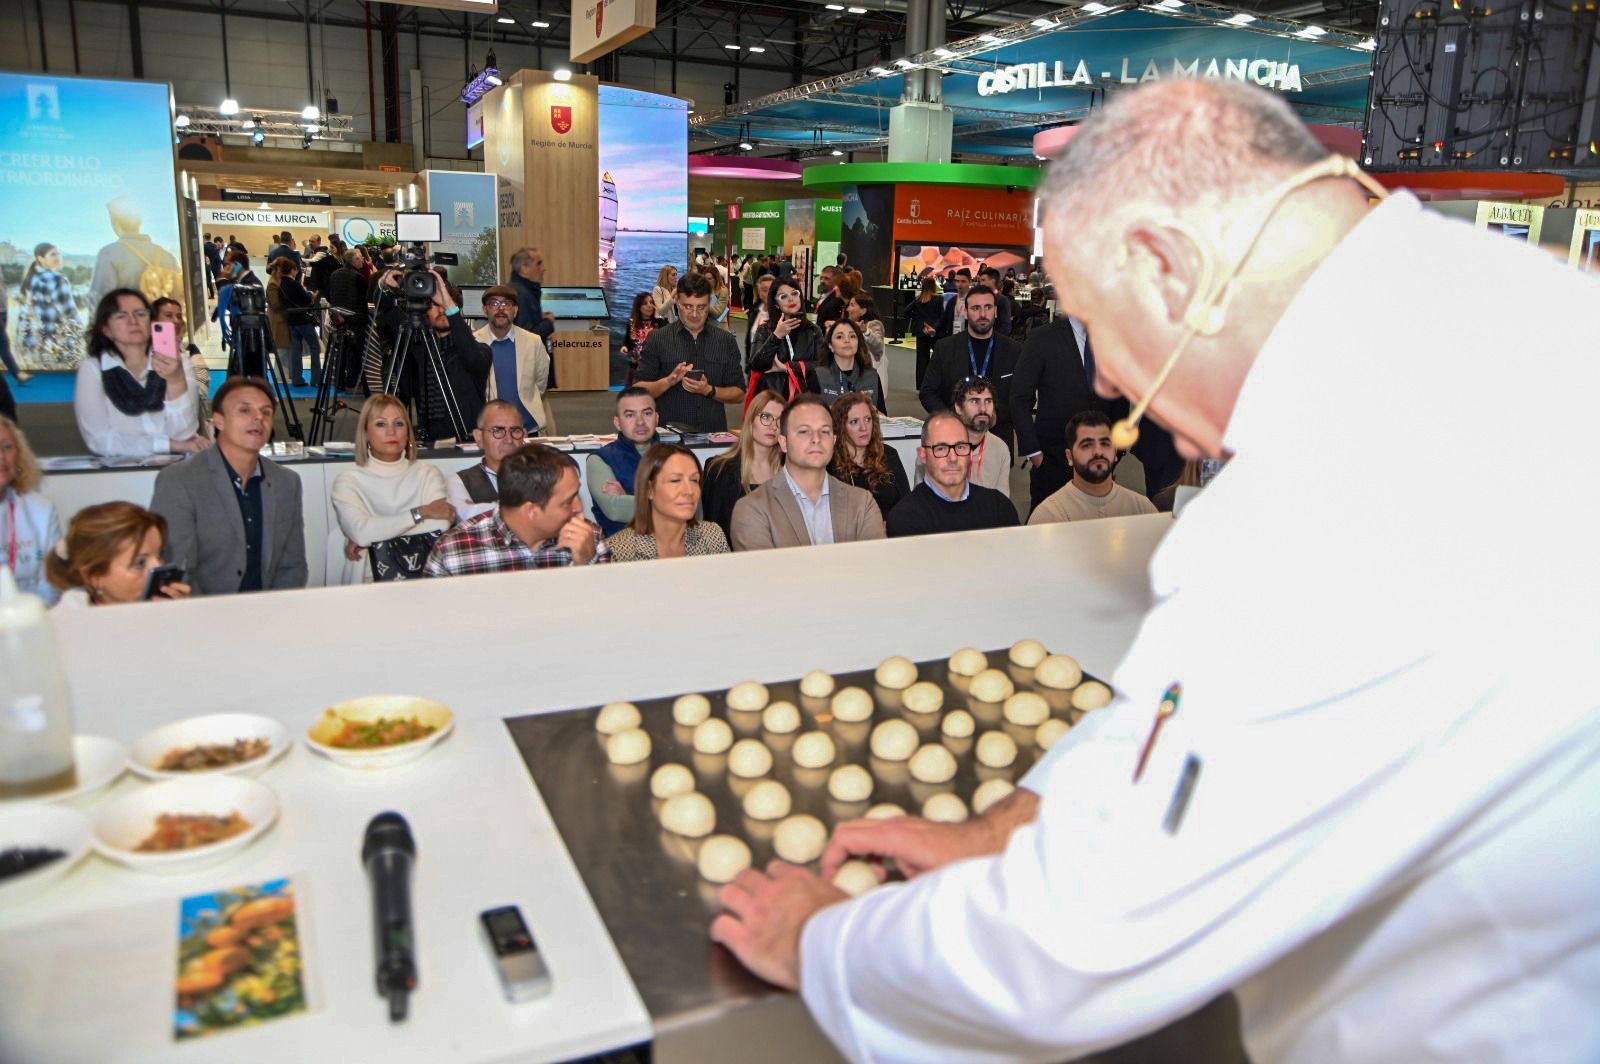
<point>521,372</point>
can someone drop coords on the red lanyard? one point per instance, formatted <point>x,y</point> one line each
<point>795,388</point>
<point>11,531</point>
<point>977,459</point>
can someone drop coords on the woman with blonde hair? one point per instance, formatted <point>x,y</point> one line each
<point>107,556</point>
<point>664,523</point>
<point>666,287</point>
<point>29,526</point>
<point>389,496</point>
<point>752,460</point>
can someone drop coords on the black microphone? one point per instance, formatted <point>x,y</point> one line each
<point>388,852</point>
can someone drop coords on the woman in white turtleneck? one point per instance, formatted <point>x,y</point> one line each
<point>389,493</point>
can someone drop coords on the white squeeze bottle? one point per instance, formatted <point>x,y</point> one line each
<point>35,712</point>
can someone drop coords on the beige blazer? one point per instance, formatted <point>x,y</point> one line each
<point>533,373</point>
<point>769,517</point>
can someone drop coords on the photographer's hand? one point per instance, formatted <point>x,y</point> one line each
<point>441,292</point>
<point>389,279</point>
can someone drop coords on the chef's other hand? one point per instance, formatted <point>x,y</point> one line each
<point>766,913</point>
<point>917,845</point>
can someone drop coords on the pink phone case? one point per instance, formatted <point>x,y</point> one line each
<point>164,339</point>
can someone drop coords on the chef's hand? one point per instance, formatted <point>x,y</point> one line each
<point>917,845</point>
<point>766,913</point>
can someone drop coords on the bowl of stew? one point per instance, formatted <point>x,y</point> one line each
<point>379,731</point>
<point>182,824</point>
<point>223,743</point>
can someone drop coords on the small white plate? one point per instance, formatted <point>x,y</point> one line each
<point>214,728</point>
<point>370,708</point>
<point>99,760</point>
<point>47,826</point>
<point>120,826</point>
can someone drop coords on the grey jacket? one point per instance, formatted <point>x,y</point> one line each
<point>205,533</point>
<point>769,517</point>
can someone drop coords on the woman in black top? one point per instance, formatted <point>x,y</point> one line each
<point>786,348</point>
<point>752,461</point>
<point>926,312</point>
<point>861,458</point>
<point>846,366</point>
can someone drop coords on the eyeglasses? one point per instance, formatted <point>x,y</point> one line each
<point>500,432</point>
<point>497,304</point>
<point>131,315</point>
<point>768,419</point>
<point>944,450</point>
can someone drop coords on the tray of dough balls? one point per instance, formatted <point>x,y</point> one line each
<point>660,802</point>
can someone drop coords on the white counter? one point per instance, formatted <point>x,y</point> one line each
<point>494,647</point>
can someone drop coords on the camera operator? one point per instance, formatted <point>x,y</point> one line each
<point>466,362</point>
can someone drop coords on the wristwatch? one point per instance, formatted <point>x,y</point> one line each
<point>416,516</point>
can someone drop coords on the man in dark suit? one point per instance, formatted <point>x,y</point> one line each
<point>976,351</point>
<point>954,318</point>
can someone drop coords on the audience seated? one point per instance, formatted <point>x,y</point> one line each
<point>945,501</point>
<point>1091,492</point>
<point>233,517</point>
<point>520,374</point>
<point>612,469</point>
<point>29,525</point>
<point>129,401</point>
<point>845,366</point>
<point>861,458</point>
<point>664,523</point>
<point>539,525</point>
<point>106,557</point>
<point>804,506</point>
<point>753,460</point>
<point>475,489</point>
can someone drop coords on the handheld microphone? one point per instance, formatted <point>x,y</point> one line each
<point>388,852</point>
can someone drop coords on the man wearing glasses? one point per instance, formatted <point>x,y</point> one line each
<point>946,501</point>
<point>690,370</point>
<point>521,373</point>
<point>476,489</point>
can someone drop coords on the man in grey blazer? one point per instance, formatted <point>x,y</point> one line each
<point>233,518</point>
<point>803,506</point>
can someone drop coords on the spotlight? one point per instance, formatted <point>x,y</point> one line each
<point>182,121</point>
<point>1041,24</point>
<point>857,10</point>
<point>493,79</point>
<point>306,139</point>
<point>506,21</point>
<point>745,145</point>
<point>539,24</point>
<point>1093,8</point>
<point>944,53</point>
<point>755,49</point>
<point>834,7</point>
<point>258,138</point>
<point>1311,33</point>
<point>836,152</point>
<point>562,74</point>
<point>731,47</point>
<point>988,38</point>
<point>230,106</point>
<point>1240,19</point>
<point>248,123</point>
<point>311,112</point>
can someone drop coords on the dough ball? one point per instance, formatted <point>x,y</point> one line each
<point>996,749</point>
<point>800,839</point>
<point>1028,653</point>
<point>691,710</point>
<point>749,758</point>
<point>816,684</point>
<point>992,685</point>
<point>629,747</point>
<point>1050,731</point>
<point>945,808</point>
<point>894,740</point>
<point>968,661</point>
<point>669,781</point>
<point>933,764</point>
<point>850,783</point>
<point>767,800</point>
<point>990,792</point>
<point>617,717</point>
<point>748,696</point>
<point>813,750</point>
<point>885,811</point>
<point>855,878</point>
<point>1027,708</point>
<point>690,815</point>
<point>713,736</point>
<point>896,673</point>
<point>781,718</point>
<point>722,857</point>
<point>1058,672</point>
<point>1091,695</point>
<point>958,724</point>
<point>923,697</point>
<point>852,705</point>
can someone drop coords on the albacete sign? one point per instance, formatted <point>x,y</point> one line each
<point>1285,77</point>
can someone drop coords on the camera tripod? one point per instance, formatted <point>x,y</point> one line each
<point>341,369</point>
<point>416,342</point>
<point>252,355</point>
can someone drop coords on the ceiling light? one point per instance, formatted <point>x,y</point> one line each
<point>756,48</point>
<point>230,106</point>
<point>834,7</point>
<point>1311,33</point>
<point>299,184</point>
<point>989,37</point>
<point>745,145</point>
<point>1169,5</point>
<point>506,21</point>
<point>310,111</point>
<point>539,24</point>
<point>562,74</point>
<point>882,72</point>
<point>493,79</point>
<point>1042,24</point>
<point>731,47</point>
<point>1367,43</point>
<point>248,123</point>
<point>1241,19</point>
<point>182,121</point>
<point>944,53</point>
<point>1093,8</point>
<point>857,10</point>
<point>265,206</point>
<point>258,138</point>
<point>904,64</point>
<point>836,151</point>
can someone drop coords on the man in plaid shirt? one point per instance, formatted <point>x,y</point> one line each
<point>539,525</point>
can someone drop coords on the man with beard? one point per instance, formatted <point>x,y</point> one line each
<point>954,317</point>
<point>1091,492</point>
<point>521,372</point>
<point>476,489</point>
<point>976,351</point>
<point>946,501</point>
<point>973,402</point>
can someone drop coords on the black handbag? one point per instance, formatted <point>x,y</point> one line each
<point>402,557</point>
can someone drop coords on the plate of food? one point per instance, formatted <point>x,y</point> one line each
<point>37,846</point>
<point>181,824</point>
<point>217,743</point>
<point>379,731</point>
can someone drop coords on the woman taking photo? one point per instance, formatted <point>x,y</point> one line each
<point>49,331</point>
<point>925,312</point>
<point>751,462</point>
<point>864,312</point>
<point>861,458</point>
<point>642,321</point>
<point>107,556</point>
<point>786,347</point>
<point>664,524</point>
<point>29,526</point>
<point>666,287</point>
<point>844,368</point>
<point>389,493</point>
<point>130,401</point>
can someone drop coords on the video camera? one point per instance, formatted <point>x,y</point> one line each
<point>249,299</point>
<point>414,230</point>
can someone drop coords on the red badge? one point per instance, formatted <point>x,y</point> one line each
<point>561,118</point>
<point>599,18</point>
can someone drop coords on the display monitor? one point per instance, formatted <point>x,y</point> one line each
<point>418,227</point>
<point>573,303</point>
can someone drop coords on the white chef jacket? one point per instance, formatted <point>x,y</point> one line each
<point>1390,851</point>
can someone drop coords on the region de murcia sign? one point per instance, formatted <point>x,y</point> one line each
<point>1284,77</point>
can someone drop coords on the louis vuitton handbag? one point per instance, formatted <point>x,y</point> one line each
<point>402,557</point>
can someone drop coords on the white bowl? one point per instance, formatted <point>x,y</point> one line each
<point>214,728</point>
<point>121,825</point>
<point>51,826</point>
<point>370,708</point>
<point>99,761</point>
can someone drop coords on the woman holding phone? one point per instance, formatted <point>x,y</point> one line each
<point>133,399</point>
<point>786,347</point>
<point>110,555</point>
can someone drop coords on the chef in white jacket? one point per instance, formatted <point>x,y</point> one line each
<point>1373,811</point>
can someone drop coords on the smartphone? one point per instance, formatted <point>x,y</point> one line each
<point>164,339</point>
<point>697,374</point>
<point>160,577</point>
